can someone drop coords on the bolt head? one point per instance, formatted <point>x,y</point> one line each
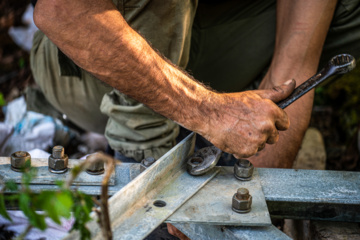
<point>242,194</point>
<point>96,168</point>
<point>241,205</point>
<point>148,161</point>
<point>243,170</point>
<point>145,163</point>
<point>58,151</point>
<point>58,164</point>
<point>18,160</point>
<point>244,163</point>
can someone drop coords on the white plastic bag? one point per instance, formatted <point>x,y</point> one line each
<point>23,36</point>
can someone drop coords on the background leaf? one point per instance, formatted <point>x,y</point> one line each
<point>3,211</point>
<point>35,219</point>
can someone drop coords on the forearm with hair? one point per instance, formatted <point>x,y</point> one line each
<point>98,39</point>
<point>101,42</point>
<point>300,34</point>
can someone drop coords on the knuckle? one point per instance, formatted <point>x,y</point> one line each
<point>269,102</point>
<point>261,147</point>
<point>272,110</point>
<point>250,152</point>
<point>266,126</point>
<point>274,137</point>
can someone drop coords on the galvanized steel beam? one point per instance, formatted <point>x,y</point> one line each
<point>298,194</point>
<point>312,194</point>
<point>142,205</point>
<point>44,177</point>
<point>210,232</point>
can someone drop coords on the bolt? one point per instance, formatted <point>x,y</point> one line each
<point>196,160</point>
<point>242,200</point>
<point>148,161</point>
<point>18,160</point>
<point>58,151</point>
<point>243,170</point>
<point>145,163</point>
<point>58,161</point>
<point>96,168</point>
<point>242,194</point>
<point>20,154</point>
<point>244,163</point>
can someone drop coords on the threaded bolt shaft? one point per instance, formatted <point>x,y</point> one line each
<point>244,163</point>
<point>242,194</point>
<point>20,154</point>
<point>58,151</point>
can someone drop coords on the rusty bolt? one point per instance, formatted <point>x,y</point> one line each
<point>145,163</point>
<point>18,160</point>
<point>96,168</point>
<point>243,170</point>
<point>58,160</point>
<point>242,200</point>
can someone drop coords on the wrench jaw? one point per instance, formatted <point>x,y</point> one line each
<point>343,63</point>
<point>203,160</point>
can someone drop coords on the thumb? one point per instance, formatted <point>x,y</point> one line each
<point>278,93</point>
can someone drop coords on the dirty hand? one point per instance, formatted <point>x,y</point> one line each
<point>242,123</point>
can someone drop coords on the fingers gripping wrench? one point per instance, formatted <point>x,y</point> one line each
<point>207,158</point>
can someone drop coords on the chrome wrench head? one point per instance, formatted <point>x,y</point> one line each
<point>203,160</point>
<point>343,63</point>
<point>340,64</point>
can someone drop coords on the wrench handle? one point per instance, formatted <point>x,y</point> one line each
<point>339,64</point>
<point>306,87</point>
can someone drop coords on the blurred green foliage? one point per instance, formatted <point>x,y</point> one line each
<point>2,100</point>
<point>53,204</point>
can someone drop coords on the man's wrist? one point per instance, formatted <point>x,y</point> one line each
<point>206,110</point>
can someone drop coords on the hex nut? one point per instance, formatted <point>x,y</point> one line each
<point>241,201</point>
<point>58,161</point>
<point>96,168</point>
<point>145,163</point>
<point>243,170</point>
<point>18,160</point>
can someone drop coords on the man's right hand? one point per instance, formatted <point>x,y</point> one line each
<point>242,123</point>
<point>238,123</point>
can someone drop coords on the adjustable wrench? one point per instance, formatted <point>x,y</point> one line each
<point>207,158</point>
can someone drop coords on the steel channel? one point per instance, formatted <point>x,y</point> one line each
<point>312,194</point>
<point>45,177</point>
<point>210,232</point>
<point>133,210</point>
<point>121,179</point>
<point>296,194</point>
<point>289,193</point>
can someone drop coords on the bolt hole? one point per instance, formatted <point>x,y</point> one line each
<point>196,160</point>
<point>159,203</point>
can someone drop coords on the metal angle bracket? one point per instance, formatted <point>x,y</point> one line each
<point>143,204</point>
<point>212,204</point>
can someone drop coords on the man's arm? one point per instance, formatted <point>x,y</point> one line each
<point>301,30</point>
<point>98,39</point>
